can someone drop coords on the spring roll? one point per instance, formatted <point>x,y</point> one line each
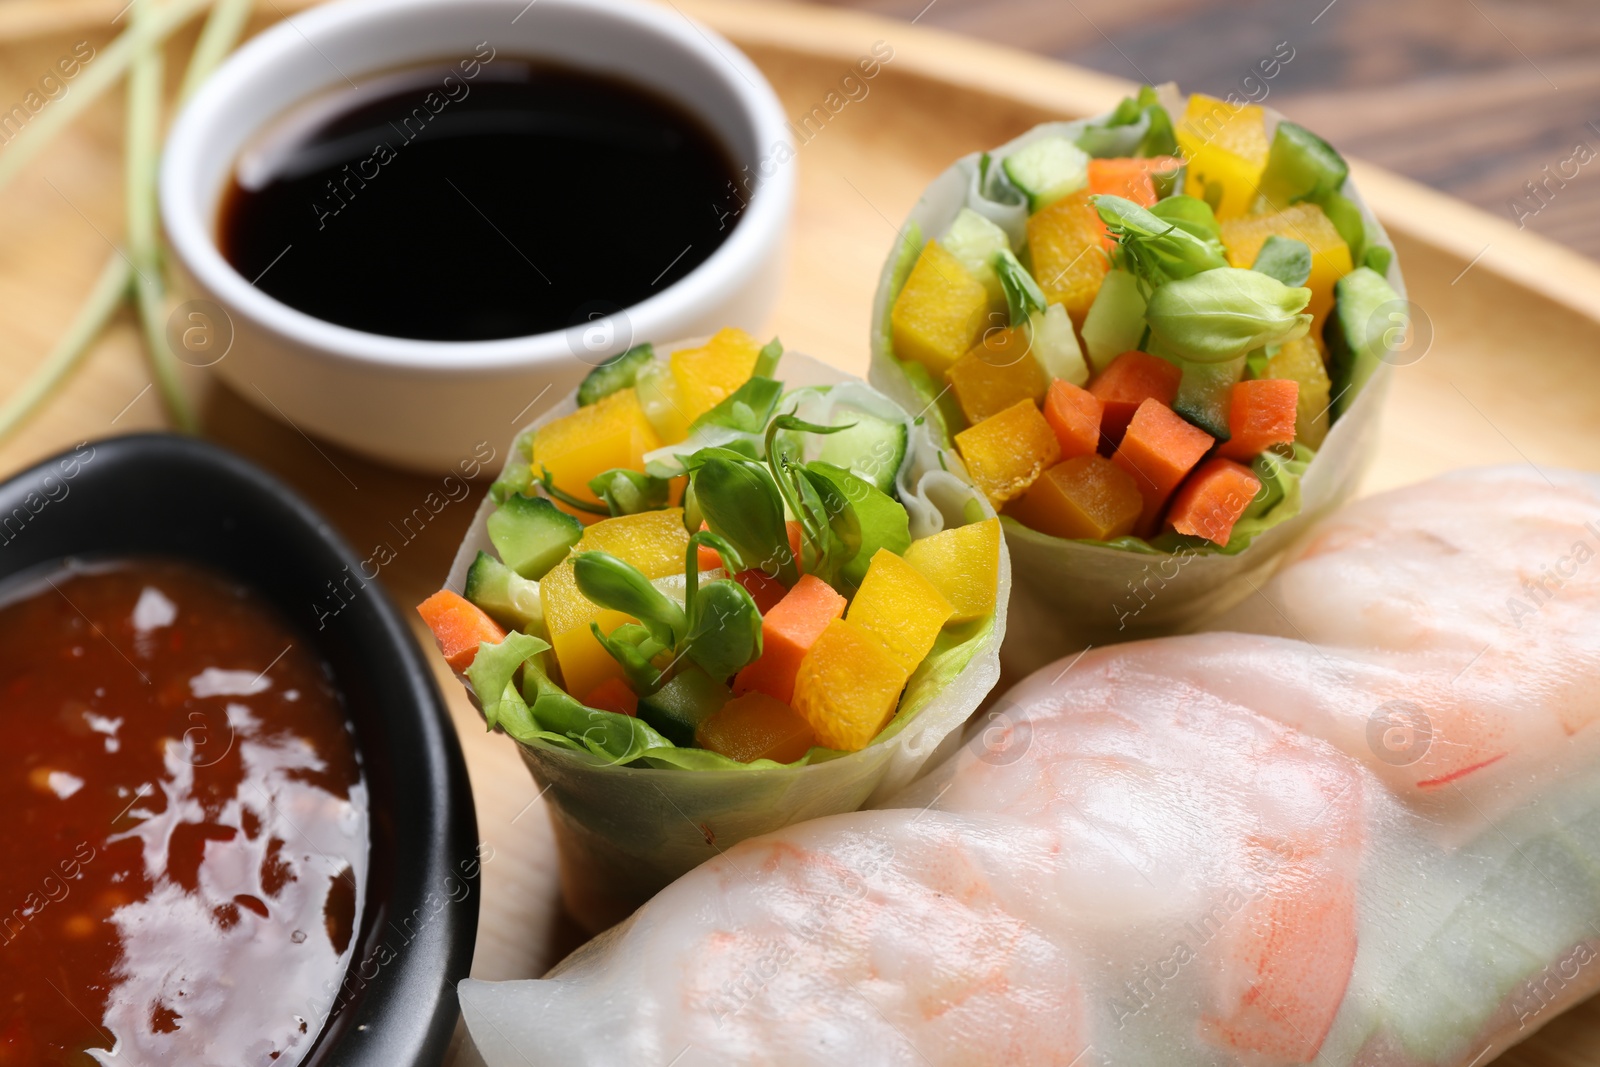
<point>1158,339</point>
<point>712,595</point>
<point>1382,848</point>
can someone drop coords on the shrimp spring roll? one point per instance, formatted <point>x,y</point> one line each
<point>711,596</point>
<point>1157,340</point>
<point>1224,848</point>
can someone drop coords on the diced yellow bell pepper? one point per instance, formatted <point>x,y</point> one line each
<point>756,726</point>
<point>707,375</point>
<point>996,373</point>
<point>1226,148</point>
<point>585,663</point>
<point>1087,497</point>
<point>848,686</point>
<point>653,541</point>
<point>594,439</point>
<point>1330,256</point>
<point>964,564</point>
<point>940,313</point>
<point>1069,262</point>
<point>1007,451</point>
<point>899,607</point>
<point>1299,361</point>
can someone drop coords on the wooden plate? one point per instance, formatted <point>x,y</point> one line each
<point>1508,375</point>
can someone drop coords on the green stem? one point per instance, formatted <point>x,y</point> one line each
<point>100,74</point>
<point>70,350</point>
<point>548,480</point>
<point>222,31</point>
<point>217,39</point>
<point>142,159</point>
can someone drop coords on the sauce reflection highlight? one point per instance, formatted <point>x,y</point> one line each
<point>186,855</point>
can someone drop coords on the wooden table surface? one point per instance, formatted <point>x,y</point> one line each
<point>1539,305</point>
<point>1473,97</point>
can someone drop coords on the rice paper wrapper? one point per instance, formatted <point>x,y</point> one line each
<point>625,832</point>
<point>1073,594</point>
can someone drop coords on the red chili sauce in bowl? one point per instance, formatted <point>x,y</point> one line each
<point>185,849</point>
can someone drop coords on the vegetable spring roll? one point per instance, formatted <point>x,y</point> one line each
<point>1222,848</point>
<point>1156,339</point>
<point>708,601</point>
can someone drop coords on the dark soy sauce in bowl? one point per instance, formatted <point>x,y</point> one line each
<point>470,201</point>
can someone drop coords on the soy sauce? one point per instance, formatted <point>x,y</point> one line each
<point>485,198</point>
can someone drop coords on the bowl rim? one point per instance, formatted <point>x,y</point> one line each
<point>759,229</point>
<point>404,1014</point>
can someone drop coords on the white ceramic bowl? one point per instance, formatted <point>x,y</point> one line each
<point>427,404</point>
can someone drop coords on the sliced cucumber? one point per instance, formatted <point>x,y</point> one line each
<point>658,396</point>
<point>1115,323</point>
<point>615,374</point>
<point>1203,394</point>
<point>510,599</point>
<point>1378,259</point>
<point>677,709</point>
<point>532,534</point>
<point>975,241</point>
<point>938,402</point>
<point>1055,346</point>
<point>1047,170</point>
<point>518,475</point>
<point>872,440</point>
<point>1357,339</point>
<point>1346,218</point>
<point>872,449</point>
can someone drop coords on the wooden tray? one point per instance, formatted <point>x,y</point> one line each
<point>1510,375</point>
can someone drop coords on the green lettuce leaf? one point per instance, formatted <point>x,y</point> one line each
<point>905,258</point>
<point>1285,259</point>
<point>494,667</point>
<point>883,519</point>
<point>951,652</point>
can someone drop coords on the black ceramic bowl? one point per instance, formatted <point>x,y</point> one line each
<point>163,495</point>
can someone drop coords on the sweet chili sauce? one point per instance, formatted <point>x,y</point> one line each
<point>185,845</point>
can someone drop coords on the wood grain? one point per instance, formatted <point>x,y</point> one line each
<point>1496,298</point>
<point>1472,97</point>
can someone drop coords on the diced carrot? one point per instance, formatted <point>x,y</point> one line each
<point>1074,414</point>
<point>707,557</point>
<point>1159,448</point>
<point>768,593</point>
<point>613,694</point>
<point>787,632</point>
<point>1130,179</point>
<point>755,726</point>
<point>459,626</point>
<point>1212,500</point>
<point>1261,413</point>
<point>1132,378</point>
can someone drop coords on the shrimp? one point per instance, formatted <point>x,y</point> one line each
<point>1378,846</point>
<point>1479,588</point>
